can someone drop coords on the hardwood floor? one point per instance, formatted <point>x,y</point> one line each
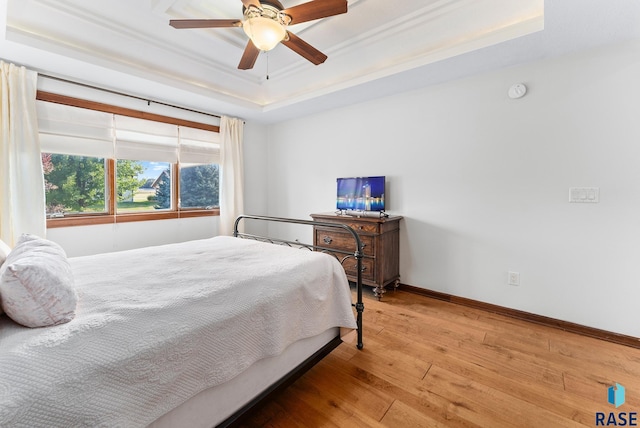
<point>428,363</point>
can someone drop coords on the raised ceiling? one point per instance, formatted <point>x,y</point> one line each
<point>373,44</point>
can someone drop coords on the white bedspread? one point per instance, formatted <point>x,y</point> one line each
<point>157,325</point>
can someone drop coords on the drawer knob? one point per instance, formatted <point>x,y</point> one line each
<point>327,240</point>
<point>355,267</point>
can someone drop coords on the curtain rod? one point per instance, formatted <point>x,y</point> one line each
<point>126,95</point>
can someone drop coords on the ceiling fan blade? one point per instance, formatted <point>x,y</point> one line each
<point>254,3</point>
<point>304,49</point>
<point>249,56</point>
<point>204,23</point>
<point>315,10</point>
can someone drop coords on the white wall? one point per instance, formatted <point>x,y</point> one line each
<point>483,183</point>
<point>104,238</point>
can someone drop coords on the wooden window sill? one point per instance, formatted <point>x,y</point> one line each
<point>80,220</point>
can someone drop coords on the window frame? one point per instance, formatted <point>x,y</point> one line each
<point>111,215</point>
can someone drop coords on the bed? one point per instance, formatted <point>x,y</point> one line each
<point>187,334</point>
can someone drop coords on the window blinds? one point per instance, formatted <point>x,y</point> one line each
<point>139,139</point>
<point>83,132</point>
<point>199,146</point>
<point>75,131</point>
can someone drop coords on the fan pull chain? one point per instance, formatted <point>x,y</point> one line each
<point>267,65</point>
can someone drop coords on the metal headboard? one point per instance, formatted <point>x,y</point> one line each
<point>357,253</point>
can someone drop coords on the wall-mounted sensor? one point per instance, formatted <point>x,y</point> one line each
<point>517,91</point>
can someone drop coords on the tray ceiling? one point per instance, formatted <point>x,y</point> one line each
<point>374,41</point>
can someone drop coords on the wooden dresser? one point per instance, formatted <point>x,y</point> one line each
<point>381,247</point>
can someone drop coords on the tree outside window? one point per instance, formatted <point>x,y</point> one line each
<point>199,186</point>
<point>73,184</point>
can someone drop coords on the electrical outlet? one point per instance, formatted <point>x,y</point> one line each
<point>514,278</point>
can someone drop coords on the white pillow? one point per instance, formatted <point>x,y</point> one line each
<point>36,283</point>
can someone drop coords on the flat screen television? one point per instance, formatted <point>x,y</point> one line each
<point>360,194</point>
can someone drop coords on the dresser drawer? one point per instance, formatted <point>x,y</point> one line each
<point>368,268</point>
<point>344,241</point>
<point>359,226</point>
<point>363,227</point>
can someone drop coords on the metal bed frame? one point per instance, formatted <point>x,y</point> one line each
<point>357,253</point>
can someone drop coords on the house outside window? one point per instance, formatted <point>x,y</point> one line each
<point>143,186</point>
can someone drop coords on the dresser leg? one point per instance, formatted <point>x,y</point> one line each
<point>378,291</point>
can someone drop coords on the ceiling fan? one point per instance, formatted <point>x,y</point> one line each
<point>266,22</point>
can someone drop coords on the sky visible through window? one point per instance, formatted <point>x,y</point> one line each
<point>152,170</point>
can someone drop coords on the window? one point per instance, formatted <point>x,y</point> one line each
<point>143,186</point>
<point>199,186</point>
<point>146,152</point>
<point>110,166</point>
<point>199,172</point>
<point>74,184</point>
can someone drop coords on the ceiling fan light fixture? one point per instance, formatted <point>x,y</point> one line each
<point>265,23</point>
<point>265,33</point>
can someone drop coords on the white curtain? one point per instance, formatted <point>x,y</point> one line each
<point>22,199</point>
<point>231,173</point>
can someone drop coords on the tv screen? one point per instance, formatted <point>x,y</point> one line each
<point>361,194</point>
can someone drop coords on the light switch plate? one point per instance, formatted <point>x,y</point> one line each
<point>584,195</point>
